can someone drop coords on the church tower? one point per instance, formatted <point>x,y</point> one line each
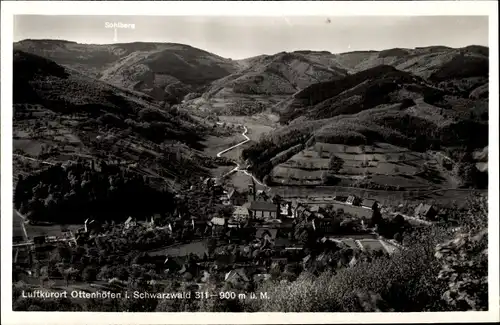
<point>251,191</point>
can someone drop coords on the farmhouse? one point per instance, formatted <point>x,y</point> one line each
<point>237,277</point>
<point>353,200</point>
<point>218,225</point>
<point>130,222</point>
<point>236,198</point>
<point>240,213</point>
<point>262,196</point>
<point>217,221</point>
<point>263,210</point>
<point>425,211</point>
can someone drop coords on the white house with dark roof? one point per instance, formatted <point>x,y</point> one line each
<point>425,211</point>
<point>217,221</point>
<point>353,200</point>
<point>130,222</point>
<point>237,277</point>
<point>240,213</point>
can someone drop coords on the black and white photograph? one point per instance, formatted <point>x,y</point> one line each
<point>280,163</point>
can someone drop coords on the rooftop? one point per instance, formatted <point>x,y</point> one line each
<point>240,210</point>
<point>262,231</point>
<point>237,275</point>
<point>218,221</point>
<point>263,206</point>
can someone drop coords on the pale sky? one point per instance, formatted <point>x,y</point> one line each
<point>242,37</point>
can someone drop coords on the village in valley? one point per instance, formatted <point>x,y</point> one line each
<point>256,237</point>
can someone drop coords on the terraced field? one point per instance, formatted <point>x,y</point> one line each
<point>381,163</point>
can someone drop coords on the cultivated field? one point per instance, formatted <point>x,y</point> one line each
<point>325,194</point>
<point>381,163</point>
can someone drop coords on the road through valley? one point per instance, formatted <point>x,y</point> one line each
<point>237,168</point>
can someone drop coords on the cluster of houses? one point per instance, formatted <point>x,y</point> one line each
<point>272,217</point>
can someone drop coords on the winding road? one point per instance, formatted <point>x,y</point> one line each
<point>237,168</point>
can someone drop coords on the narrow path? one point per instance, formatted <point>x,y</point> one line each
<point>34,159</point>
<point>237,168</point>
<point>24,220</point>
<point>238,144</point>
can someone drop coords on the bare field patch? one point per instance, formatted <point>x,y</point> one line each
<point>214,145</point>
<point>49,230</point>
<point>29,147</point>
<point>221,170</point>
<point>198,248</point>
<point>241,181</point>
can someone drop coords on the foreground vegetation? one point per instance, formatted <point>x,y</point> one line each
<point>439,270</point>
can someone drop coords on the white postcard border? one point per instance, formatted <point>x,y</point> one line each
<point>262,8</point>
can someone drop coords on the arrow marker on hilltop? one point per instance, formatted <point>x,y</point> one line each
<point>116,26</point>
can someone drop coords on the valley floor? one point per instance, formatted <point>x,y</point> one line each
<point>261,124</point>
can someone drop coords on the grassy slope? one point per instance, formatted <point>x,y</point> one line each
<point>63,114</point>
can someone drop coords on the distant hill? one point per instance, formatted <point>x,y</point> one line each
<point>283,73</point>
<point>61,114</point>
<point>419,99</point>
<point>165,71</point>
<point>414,99</point>
<point>391,76</point>
<point>356,92</point>
<point>270,82</point>
<point>265,80</point>
<point>426,62</point>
